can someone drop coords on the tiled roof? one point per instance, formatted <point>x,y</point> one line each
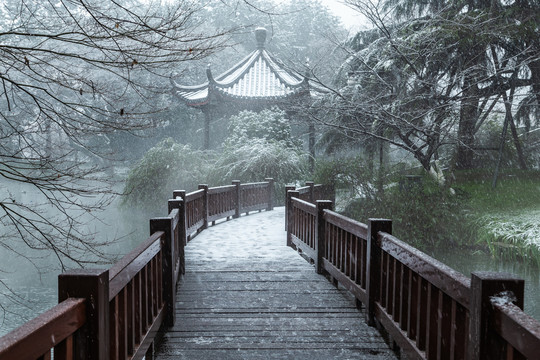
<point>259,76</point>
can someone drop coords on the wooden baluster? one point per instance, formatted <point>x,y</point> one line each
<point>432,334</point>
<point>165,224</point>
<point>311,197</point>
<point>412,310</point>
<point>287,189</point>
<point>422,309</point>
<point>404,298</point>
<point>137,306</point>
<point>290,216</point>
<point>122,325</point>
<point>320,245</point>
<point>180,231</point>
<point>374,265</point>
<point>270,194</point>
<point>205,204</point>
<point>237,208</point>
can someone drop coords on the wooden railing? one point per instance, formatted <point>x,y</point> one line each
<point>430,310</point>
<point>116,313</point>
<point>210,204</point>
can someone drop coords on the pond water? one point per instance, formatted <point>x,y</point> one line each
<point>467,261</point>
<point>26,292</point>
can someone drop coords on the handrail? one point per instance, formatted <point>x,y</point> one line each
<point>52,329</point>
<point>430,310</point>
<point>519,329</point>
<point>303,229</point>
<point>123,271</point>
<point>116,313</point>
<point>452,282</point>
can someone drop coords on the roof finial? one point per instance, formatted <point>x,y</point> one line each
<point>209,75</point>
<point>260,36</point>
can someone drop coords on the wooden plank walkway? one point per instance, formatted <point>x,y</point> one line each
<point>246,295</point>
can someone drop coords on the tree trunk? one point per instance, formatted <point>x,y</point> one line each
<point>467,120</point>
<point>508,107</point>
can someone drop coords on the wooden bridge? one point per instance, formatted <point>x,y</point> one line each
<point>236,292</point>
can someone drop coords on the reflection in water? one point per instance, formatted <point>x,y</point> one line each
<point>31,292</point>
<point>467,261</point>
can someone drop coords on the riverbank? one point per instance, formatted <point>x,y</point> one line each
<point>506,219</point>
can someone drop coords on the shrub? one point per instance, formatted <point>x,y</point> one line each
<point>424,215</point>
<point>165,167</point>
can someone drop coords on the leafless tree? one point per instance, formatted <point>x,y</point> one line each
<point>72,72</point>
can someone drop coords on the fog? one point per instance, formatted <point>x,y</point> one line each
<point>401,106</point>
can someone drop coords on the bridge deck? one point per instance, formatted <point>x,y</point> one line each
<point>246,295</point>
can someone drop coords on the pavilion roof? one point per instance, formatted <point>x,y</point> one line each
<point>257,77</point>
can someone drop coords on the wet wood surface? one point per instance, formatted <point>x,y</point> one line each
<point>246,295</point>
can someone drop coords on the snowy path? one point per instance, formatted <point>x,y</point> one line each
<point>246,295</point>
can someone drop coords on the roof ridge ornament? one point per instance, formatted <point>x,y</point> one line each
<point>260,36</point>
<point>209,75</point>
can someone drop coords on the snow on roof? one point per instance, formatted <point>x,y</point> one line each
<point>259,76</point>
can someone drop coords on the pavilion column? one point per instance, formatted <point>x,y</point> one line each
<point>311,147</point>
<point>207,116</point>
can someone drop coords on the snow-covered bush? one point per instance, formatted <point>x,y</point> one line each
<point>260,145</point>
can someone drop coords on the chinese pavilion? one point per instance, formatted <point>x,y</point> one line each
<point>258,81</point>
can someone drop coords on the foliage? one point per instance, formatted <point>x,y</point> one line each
<point>511,237</point>
<point>429,74</point>
<point>164,168</point>
<point>270,125</point>
<point>260,145</point>
<point>504,219</point>
<point>424,213</point>
<point>350,176</point>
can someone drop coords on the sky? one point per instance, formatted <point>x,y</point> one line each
<point>350,18</point>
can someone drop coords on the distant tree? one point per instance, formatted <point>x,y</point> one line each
<point>73,74</point>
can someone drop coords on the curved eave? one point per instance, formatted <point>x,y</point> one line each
<point>291,94</point>
<point>257,77</point>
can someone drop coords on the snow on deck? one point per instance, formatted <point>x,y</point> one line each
<point>246,295</point>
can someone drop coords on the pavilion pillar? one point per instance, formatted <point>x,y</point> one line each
<point>311,147</point>
<point>207,116</point>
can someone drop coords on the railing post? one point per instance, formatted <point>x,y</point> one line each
<point>270,194</point>
<point>168,262</point>
<point>311,185</point>
<point>287,189</point>
<point>92,340</point>
<point>373,283</point>
<point>183,214</point>
<point>179,194</point>
<point>181,229</point>
<point>483,343</point>
<point>205,206</point>
<point>320,244</point>
<point>290,216</point>
<point>237,197</point>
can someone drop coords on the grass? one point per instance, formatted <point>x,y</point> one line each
<point>505,219</point>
